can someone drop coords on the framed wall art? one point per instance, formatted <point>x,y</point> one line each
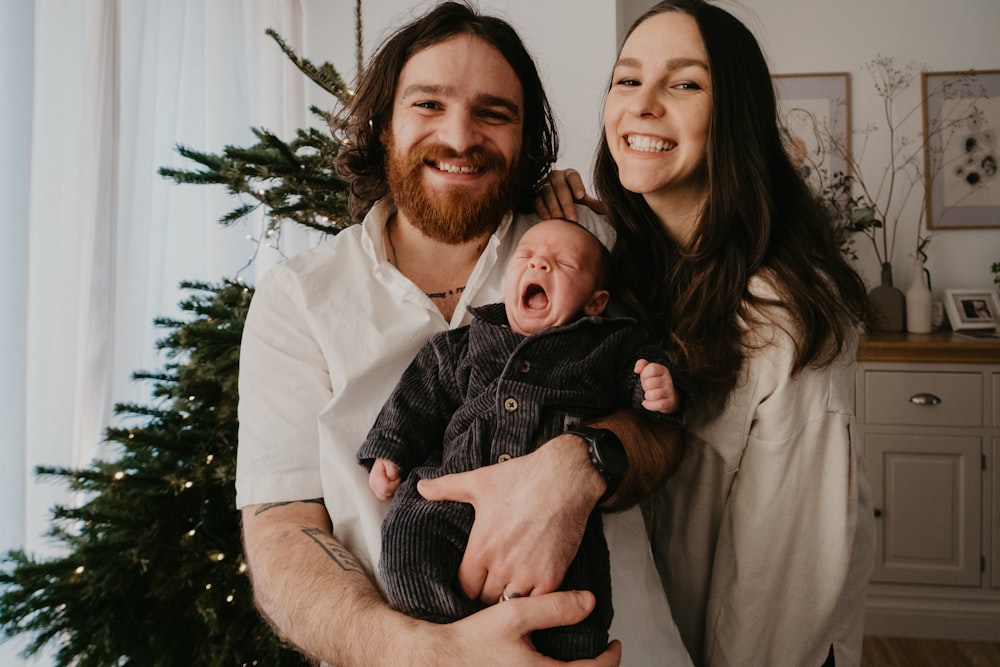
<point>961,122</point>
<point>816,110</point>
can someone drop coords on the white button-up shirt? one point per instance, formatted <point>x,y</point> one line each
<point>327,338</point>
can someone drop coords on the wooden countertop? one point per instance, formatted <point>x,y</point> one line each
<point>936,347</point>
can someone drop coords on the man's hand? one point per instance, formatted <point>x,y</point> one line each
<point>530,515</point>
<point>531,511</point>
<point>486,637</point>
<point>559,194</point>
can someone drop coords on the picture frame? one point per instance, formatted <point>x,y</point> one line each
<point>816,110</point>
<point>961,117</point>
<point>972,308</point>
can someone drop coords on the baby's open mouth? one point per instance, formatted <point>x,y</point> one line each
<point>535,297</point>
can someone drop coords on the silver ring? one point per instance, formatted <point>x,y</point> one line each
<point>505,597</point>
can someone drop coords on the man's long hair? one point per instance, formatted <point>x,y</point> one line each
<point>362,159</point>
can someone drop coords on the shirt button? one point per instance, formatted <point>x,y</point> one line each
<point>525,366</point>
<point>510,405</point>
<point>504,457</point>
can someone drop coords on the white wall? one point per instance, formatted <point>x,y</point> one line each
<point>841,36</point>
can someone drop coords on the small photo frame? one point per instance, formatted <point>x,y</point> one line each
<point>816,111</point>
<point>972,309</point>
<point>961,113</point>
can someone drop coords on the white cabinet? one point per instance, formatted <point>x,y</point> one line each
<point>929,416</point>
<point>928,498</point>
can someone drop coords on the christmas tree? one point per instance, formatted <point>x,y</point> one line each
<point>153,572</point>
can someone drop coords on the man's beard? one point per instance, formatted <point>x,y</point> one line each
<point>451,215</point>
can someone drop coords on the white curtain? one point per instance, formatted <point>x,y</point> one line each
<point>94,97</point>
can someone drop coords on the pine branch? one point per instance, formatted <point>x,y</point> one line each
<point>359,50</point>
<point>293,181</point>
<point>326,76</point>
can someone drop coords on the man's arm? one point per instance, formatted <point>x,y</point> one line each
<point>306,583</point>
<point>654,451</point>
<point>533,509</point>
<point>318,597</point>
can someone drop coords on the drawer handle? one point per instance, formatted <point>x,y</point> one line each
<point>924,399</point>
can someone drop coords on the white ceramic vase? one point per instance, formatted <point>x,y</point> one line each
<point>919,301</point>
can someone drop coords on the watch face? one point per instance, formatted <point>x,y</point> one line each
<point>612,453</point>
<point>607,454</point>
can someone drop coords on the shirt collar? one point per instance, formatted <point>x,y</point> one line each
<point>372,226</point>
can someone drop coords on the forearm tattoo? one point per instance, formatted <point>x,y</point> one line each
<point>337,553</point>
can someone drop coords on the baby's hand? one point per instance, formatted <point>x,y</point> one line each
<point>658,386</point>
<point>384,478</point>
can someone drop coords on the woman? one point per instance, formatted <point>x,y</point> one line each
<point>764,537</point>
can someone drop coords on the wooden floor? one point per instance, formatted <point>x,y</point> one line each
<point>899,652</point>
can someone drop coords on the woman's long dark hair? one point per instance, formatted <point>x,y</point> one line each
<point>760,217</point>
<point>361,161</point>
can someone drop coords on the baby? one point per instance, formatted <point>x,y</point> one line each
<point>521,373</point>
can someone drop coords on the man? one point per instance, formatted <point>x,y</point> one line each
<point>449,127</point>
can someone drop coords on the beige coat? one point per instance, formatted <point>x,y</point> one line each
<point>764,538</point>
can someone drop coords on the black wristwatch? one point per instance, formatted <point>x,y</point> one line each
<point>606,453</point>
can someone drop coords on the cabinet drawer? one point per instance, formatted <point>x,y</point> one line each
<point>923,399</point>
